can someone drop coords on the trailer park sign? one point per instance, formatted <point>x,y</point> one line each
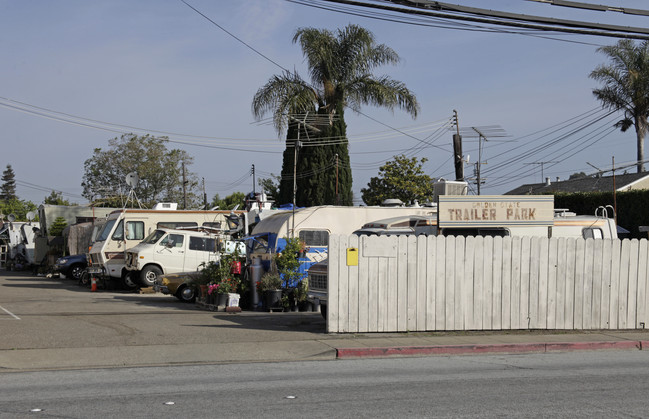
<point>495,210</point>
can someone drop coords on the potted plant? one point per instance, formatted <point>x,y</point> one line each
<point>270,288</point>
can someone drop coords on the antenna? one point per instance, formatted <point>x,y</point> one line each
<point>132,179</point>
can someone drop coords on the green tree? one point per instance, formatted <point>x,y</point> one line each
<point>230,201</point>
<point>160,172</point>
<point>340,66</point>
<point>17,207</point>
<point>57,227</point>
<point>56,198</point>
<point>577,175</point>
<point>626,87</point>
<point>401,178</point>
<point>8,191</point>
<point>270,185</point>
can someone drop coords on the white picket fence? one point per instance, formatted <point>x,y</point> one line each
<point>452,283</point>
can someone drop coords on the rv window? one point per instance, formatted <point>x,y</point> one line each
<point>105,231</point>
<point>119,231</point>
<point>315,237</point>
<point>176,225</point>
<point>134,230</point>
<point>213,226</point>
<point>592,233</point>
<point>202,243</point>
<point>173,240</point>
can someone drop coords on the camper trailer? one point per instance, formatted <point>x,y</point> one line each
<point>126,228</point>
<point>312,226</point>
<point>17,243</point>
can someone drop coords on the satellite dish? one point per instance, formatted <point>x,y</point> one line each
<point>132,179</point>
<point>466,159</point>
<point>30,215</point>
<point>11,218</point>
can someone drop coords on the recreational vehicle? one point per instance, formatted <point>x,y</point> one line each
<point>313,225</point>
<point>17,243</point>
<point>126,228</point>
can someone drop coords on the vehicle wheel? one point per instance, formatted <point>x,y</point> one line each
<point>76,271</point>
<point>186,294</point>
<point>128,281</point>
<point>323,310</point>
<point>84,279</point>
<point>149,274</point>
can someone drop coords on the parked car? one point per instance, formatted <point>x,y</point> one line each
<point>71,266</point>
<point>179,285</point>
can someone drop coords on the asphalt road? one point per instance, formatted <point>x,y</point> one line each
<point>570,385</point>
<point>54,323</point>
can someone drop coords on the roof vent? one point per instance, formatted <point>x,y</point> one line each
<point>165,206</point>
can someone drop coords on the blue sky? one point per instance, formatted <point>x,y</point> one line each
<point>159,66</point>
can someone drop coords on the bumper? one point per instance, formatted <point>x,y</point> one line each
<point>317,297</point>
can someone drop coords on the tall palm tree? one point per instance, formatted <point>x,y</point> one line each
<point>626,87</point>
<point>340,67</point>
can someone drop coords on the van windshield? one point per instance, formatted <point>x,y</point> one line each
<point>105,231</point>
<point>154,237</point>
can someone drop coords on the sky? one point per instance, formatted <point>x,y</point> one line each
<point>82,73</point>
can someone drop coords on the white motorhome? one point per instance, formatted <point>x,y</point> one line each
<point>167,251</point>
<point>313,225</point>
<point>126,228</point>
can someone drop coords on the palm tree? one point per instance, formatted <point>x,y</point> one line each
<point>340,67</point>
<point>626,87</point>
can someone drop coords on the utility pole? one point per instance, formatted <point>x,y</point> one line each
<point>337,197</point>
<point>479,163</point>
<point>297,145</point>
<point>204,196</point>
<point>457,149</point>
<point>253,181</point>
<point>184,187</point>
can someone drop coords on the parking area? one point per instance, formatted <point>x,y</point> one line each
<point>56,314</point>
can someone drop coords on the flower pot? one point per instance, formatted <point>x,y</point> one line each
<point>272,299</point>
<point>222,300</point>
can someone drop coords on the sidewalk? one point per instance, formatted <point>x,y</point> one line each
<point>327,347</point>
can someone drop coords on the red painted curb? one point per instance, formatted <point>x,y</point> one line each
<point>480,349</point>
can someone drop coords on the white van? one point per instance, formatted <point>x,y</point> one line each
<point>168,251</point>
<point>126,228</point>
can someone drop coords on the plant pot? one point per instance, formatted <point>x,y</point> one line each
<point>272,299</point>
<point>222,300</point>
<point>233,299</point>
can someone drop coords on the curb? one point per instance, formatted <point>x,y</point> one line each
<point>346,353</point>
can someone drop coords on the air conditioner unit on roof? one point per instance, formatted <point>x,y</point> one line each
<point>166,206</point>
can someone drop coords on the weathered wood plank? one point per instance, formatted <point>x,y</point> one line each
<point>569,290</point>
<point>624,284</point>
<point>440,283</point>
<point>506,309</point>
<point>402,286</point>
<point>450,284</point>
<point>497,275</point>
<point>544,261</point>
<point>460,277</point>
<point>468,291</point>
<point>632,308</point>
<point>643,259</point>
<point>487,287</point>
<point>534,282</point>
<point>431,249</point>
<point>551,310</point>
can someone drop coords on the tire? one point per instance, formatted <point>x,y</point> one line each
<point>149,274</point>
<point>76,271</point>
<point>186,294</point>
<point>128,282</point>
<point>84,279</point>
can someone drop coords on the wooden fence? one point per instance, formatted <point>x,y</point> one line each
<point>410,283</point>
